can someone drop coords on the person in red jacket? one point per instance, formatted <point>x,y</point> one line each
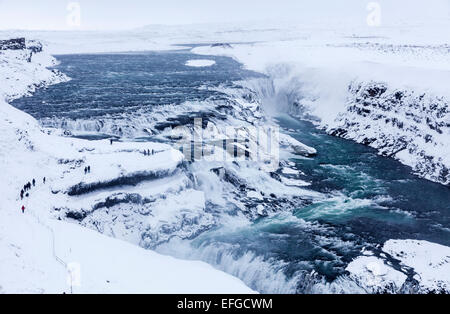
<point>23,209</point>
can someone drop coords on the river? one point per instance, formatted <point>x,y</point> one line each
<point>369,198</point>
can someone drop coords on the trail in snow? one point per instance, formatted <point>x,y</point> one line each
<point>52,236</point>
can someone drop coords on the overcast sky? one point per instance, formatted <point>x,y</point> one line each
<point>124,14</point>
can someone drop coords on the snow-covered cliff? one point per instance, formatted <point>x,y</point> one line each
<point>387,89</point>
<point>422,267</point>
<point>410,126</point>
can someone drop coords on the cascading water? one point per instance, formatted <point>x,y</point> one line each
<point>277,239</point>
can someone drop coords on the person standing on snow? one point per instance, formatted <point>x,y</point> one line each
<point>34,182</point>
<point>23,209</point>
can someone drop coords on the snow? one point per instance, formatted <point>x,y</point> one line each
<point>254,194</point>
<point>315,74</point>
<point>159,201</point>
<point>375,275</point>
<point>37,251</point>
<point>102,264</point>
<point>294,182</point>
<point>312,65</point>
<point>297,147</point>
<point>290,171</point>
<point>200,63</point>
<point>430,263</point>
<point>141,271</point>
<point>121,160</point>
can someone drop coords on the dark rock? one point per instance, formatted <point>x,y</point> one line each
<point>397,118</point>
<point>13,44</point>
<point>131,180</point>
<point>223,45</point>
<point>34,46</point>
<point>79,216</point>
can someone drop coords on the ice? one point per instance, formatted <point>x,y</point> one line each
<point>430,262</point>
<point>200,63</point>
<point>312,68</point>
<point>375,276</point>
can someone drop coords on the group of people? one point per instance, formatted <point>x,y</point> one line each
<point>87,169</point>
<point>27,187</point>
<point>148,152</point>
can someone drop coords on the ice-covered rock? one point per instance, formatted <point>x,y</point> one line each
<point>429,261</point>
<point>298,147</point>
<point>37,252</point>
<point>117,165</point>
<point>423,267</point>
<point>372,274</point>
<point>410,126</point>
<point>13,44</point>
<point>198,63</point>
<point>383,91</point>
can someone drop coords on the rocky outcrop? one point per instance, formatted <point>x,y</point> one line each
<point>222,45</point>
<point>131,179</point>
<point>401,123</point>
<point>13,44</point>
<point>403,266</point>
<point>410,124</point>
<point>32,47</point>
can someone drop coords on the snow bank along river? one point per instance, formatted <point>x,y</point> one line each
<point>295,229</point>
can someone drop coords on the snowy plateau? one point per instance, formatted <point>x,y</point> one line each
<point>384,87</point>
